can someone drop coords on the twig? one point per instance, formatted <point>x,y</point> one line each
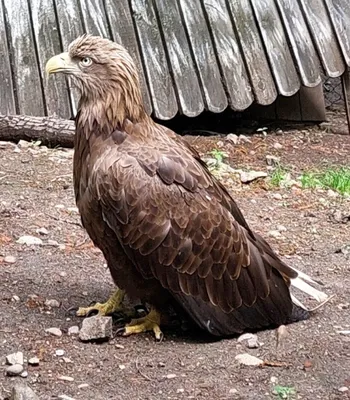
<point>140,372</point>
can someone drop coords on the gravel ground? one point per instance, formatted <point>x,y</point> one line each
<point>313,359</point>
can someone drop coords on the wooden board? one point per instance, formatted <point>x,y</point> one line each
<point>324,36</point>
<point>301,42</point>
<point>277,50</point>
<point>48,44</point>
<point>229,56</point>
<point>339,11</point>
<point>7,97</point>
<point>70,27</point>
<point>182,66</point>
<point>23,52</point>
<point>346,92</point>
<point>155,61</point>
<point>94,18</point>
<point>123,32</point>
<point>312,104</point>
<point>252,47</point>
<point>202,49</point>
<point>288,108</point>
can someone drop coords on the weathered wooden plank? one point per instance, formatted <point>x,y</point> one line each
<point>94,18</point>
<point>312,104</point>
<point>204,55</point>
<point>229,55</point>
<point>7,98</point>
<point>253,50</point>
<point>339,11</point>
<point>48,43</point>
<point>155,62</point>
<point>324,37</point>
<point>301,43</point>
<point>70,27</point>
<point>22,47</point>
<point>288,108</point>
<point>346,91</point>
<point>122,28</point>
<point>277,50</point>
<point>183,70</point>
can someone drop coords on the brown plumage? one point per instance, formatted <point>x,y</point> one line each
<point>167,228</point>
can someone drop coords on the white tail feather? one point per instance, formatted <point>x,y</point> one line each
<point>300,282</point>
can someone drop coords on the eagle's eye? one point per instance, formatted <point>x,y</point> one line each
<point>85,62</point>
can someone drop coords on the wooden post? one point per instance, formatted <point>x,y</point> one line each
<point>346,90</point>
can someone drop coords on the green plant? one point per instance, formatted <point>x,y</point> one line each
<point>219,155</point>
<point>337,179</point>
<point>284,392</point>
<point>278,175</point>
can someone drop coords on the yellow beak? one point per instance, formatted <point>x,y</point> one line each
<point>60,63</point>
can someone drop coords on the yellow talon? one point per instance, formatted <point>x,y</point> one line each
<point>150,322</point>
<point>113,304</point>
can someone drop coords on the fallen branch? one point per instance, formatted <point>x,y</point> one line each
<point>50,131</point>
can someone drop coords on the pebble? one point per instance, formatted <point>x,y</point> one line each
<point>343,389</point>
<point>344,332</point>
<point>23,392</point>
<point>14,370</point>
<point>180,390</point>
<point>332,193</point>
<point>24,374</point>
<point>274,233</point>
<point>96,328</point>
<point>231,137</point>
<point>15,358</point>
<point>29,240</point>
<point>233,391</point>
<point>64,397</point>
<point>244,139</point>
<point>171,376</point>
<point>15,298</point>
<point>66,378</point>
<point>277,146</point>
<point>52,243</point>
<point>52,303</point>
<point>10,259</point>
<point>59,352</point>
<point>54,331</point>
<point>277,196</point>
<point>247,359</point>
<point>73,330</point>
<point>253,343</point>
<point>250,176</point>
<point>83,385</point>
<point>245,336</point>
<point>281,228</point>
<point>273,379</point>
<point>119,346</point>
<point>34,361</point>
<point>272,160</point>
<point>42,231</point>
<point>67,360</point>
<point>121,366</point>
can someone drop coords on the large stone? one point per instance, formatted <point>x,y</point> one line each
<point>23,392</point>
<point>15,358</point>
<point>96,328</point>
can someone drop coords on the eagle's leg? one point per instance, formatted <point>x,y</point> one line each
<point>113,304</point>
<point>150,322</point>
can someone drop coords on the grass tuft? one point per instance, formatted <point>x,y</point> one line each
<point>337,179</point>
<point>284,392</point>
<point>278,176</point>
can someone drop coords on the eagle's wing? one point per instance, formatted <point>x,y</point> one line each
<point>178,224</point>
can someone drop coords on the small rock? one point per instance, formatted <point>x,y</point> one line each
<point>279,132</point>
<point>15,298</point>
<point>62,274</point>
<point>96,328</point>
<point>343,306</point>
<point>24,374</point>
<point>34,361</point>
<point>67,360</point>
<point>6,145</point>
<point>277,146</point>
<point>231,137</point>
<point>119,346</point>
<point>343,389</point>
<point>10,259</point>
<point>121,366</point>
<point>247,359</point>
<point>277,196</point>
<point>29,240</point>
<point>281,228</point>
<point>24,144</point>
<point>54,331</point>
<point>161,364</point>
<point>52,303</point>
<point>253,343</point>
<point>180,390</point>
<point>332,193</point>
<point>272,160</point>
<point>273,379</point>
<point>15,358</point>
<point>14,370</point>
<point>59,352</point>
<point>251,176</point>
<point>42,231</point>
<point>244,139</point>
<point>171,376</point>
<point>245,336</point>
<point>66,378</point>
<point>23,392</point>
<point>233,391</point>
<point>274,233</point>
<point>83,385</point>
<point>344,332</point>
<point>73,330</point>
<point>52,243</point>
<point>16,150</point>
<point>64,397</point>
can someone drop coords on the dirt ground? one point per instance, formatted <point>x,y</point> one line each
<point>36,192</point>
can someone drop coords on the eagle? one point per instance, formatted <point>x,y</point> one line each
<point>170,232</point>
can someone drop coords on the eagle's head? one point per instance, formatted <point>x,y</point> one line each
<point>104,73</point>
